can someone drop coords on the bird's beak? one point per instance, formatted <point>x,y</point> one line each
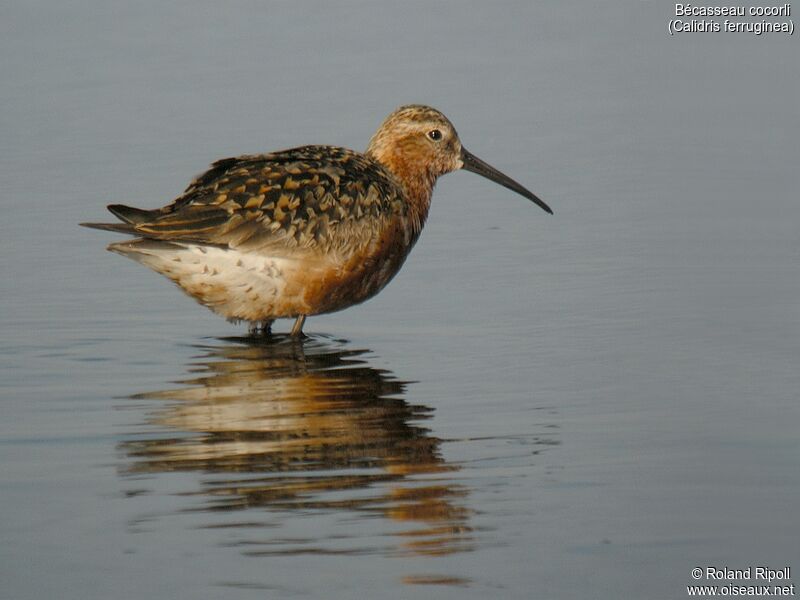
<point>476,165</point>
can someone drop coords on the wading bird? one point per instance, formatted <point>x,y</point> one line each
<point>305,231</point>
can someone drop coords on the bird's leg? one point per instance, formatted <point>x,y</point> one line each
<point>261,327</point>
<point>297,328</point>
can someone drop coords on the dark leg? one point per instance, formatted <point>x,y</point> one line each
<point>297,328</point>
<point>261,327</point>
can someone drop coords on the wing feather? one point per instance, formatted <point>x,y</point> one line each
<point>303,197</point>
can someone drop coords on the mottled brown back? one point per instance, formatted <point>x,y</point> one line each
<point>316,197</point>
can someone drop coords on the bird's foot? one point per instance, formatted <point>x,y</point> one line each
<point>263,328</point>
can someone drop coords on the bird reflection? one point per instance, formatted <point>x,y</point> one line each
<point>304,425</point>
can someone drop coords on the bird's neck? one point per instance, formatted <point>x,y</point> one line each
<point>416,179</point>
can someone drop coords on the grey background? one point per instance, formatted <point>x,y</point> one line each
<point>648,331</point>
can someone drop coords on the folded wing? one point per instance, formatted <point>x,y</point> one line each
<point>312,197</point>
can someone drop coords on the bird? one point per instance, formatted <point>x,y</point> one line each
<point>305,231</point>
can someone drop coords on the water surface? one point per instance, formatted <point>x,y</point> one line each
<point>583,405</point>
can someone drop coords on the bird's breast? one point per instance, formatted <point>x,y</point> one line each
<point>353,275</point>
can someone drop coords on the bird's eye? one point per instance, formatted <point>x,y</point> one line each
<point>435,135</point>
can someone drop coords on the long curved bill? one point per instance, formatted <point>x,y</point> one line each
<point>476,165</point>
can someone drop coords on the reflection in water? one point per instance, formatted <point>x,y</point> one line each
<point>307,426</point>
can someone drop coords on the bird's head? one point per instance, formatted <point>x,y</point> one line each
<point>418,144</point>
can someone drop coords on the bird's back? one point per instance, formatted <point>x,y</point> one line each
<point>302,231</point>
<point>312,197</point>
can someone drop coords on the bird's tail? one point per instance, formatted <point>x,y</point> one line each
<point>129,216</point>
<point>116,227</point>
<point>145,250</point>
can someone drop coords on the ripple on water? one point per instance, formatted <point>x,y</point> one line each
<point>304,429</point>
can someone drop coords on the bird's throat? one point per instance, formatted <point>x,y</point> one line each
<point>416,179</point>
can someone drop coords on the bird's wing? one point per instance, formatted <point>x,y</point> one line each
<point>313,196</point>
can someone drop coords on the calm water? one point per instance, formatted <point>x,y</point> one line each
<point>584,405</point>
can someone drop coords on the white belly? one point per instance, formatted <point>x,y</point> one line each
<point>234,284</point>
